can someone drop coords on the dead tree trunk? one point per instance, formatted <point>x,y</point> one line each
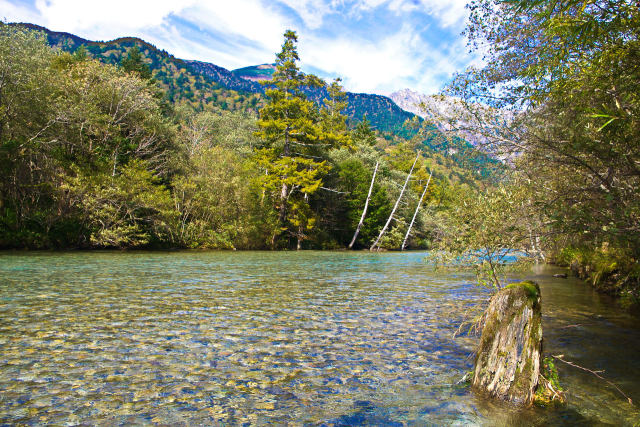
<point>301,227</point>
<point>508,359</point>
<point>366,205</point>
<point>384,229</point>
<point>415,214</point>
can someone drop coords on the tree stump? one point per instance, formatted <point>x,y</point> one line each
<point>508,360</point>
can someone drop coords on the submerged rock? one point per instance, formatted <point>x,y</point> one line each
<point>508,359</point>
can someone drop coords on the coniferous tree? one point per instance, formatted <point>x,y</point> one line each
<point>334,123</point>
<point>292,134</point>
<point>133,63</point>
<point>363,132</point>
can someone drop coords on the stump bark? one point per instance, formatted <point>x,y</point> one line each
<point>508,358</point>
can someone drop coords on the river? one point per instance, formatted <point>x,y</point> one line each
<point>300,338</point>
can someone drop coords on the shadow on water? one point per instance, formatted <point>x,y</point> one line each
<point>502,414</point>
<point>365,414</point>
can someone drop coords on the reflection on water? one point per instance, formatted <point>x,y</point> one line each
<point>328,338</point>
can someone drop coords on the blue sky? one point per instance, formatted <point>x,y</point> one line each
<point>376,46</point>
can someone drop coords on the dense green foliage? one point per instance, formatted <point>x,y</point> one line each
<point>99,155</point>
<point>204,86</point>
<point>385,115</point>
<point>565,74</point>
<point>180,81</point>
<point>294,150</point>
<point>482,229</point>
<point>608,269</point>
<point>549,391</point>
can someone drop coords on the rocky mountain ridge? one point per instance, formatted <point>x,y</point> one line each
<point>474,122</point>
<point>200,83</point>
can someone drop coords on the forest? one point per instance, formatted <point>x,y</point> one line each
<point>107,155</point>
<point>557,100</point>
<point>111,153</point>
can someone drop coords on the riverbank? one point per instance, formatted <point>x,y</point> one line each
<point>608,270</point>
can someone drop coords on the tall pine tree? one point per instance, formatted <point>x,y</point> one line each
<point>134,63</point>
<point>334,123</point>
<point>294,141</point>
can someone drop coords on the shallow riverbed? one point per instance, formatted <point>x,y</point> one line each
<point>329,338</point>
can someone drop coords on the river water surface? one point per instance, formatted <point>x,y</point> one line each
<point>307,338</point>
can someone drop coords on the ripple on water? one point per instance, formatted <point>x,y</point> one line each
<point>317,337</point>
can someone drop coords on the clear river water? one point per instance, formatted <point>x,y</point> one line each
<point>282,338</point>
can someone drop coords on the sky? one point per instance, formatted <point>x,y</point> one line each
<point>375,46</point>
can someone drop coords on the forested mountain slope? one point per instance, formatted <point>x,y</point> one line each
<point>201,83</point>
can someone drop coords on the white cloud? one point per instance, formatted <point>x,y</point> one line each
<point>403,59</point>
<point>253,28</point>
<point>442,64</point>
<point>366,65</point>
<point>448,13</point>
<point>238,33</point>
<point>252,20</point>
<point>15,13</point>
<point>103,20</point>
<point>171,39</point>
<point>312,12</point>
<point>370,4</point>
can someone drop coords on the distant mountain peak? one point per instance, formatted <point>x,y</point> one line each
<point>256,73</point>
<point>202,83</point>
<point>410,100</point>
<point>472,121</point>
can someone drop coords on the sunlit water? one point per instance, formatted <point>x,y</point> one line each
<point>329,338</point>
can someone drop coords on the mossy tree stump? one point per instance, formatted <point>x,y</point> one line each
<point>508,359</point>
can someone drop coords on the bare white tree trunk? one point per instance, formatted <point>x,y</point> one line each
<point>415,214</point>
<point>540,251</point>
<point>535,246</point>
<point>301,227</point>
<point>393,211</point>
<point>366,205</point>
<point>115,162</point>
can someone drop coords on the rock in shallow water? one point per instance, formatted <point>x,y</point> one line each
<point>508,359</point>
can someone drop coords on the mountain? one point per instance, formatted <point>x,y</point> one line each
<point>200,83</point>
<point>225,77</point>
<point>469,145</point>
<point>451,113</point>
<point>181,82</point>
<point>433,106</point>
<point>256,73</point>
<point>427,106</point>
<point>410,100</point>
<point>381,111</point>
